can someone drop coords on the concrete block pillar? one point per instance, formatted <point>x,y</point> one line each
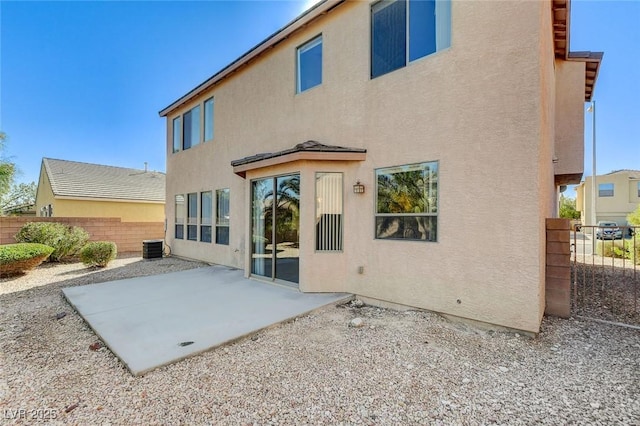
<point>558,268</point>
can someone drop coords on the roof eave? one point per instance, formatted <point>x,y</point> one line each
<point>592,62</point>
<point>301,21</point>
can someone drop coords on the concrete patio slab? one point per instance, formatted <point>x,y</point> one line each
<point>146,321</point>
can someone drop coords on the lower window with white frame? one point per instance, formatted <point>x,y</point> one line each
<point>222,216</point>
<point>206,208</point>
<point>192,216</point>
<point>179,217</point>
<point>407,202</point>
<point>329,212</point>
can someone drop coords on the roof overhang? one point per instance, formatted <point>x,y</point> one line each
<point>310,151</point>
<point>568,179</point>
<point>320,9</point>
<point>561,10</point>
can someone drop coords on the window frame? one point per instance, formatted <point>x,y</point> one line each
<point>212,120</point>
<point>218,222</point>
<point>175,217</point>
<point>408,31</point>
<point>177,138</point>
<point>604,193</point>
<point>435,214</point>
<point>204,221</point>
<point>340,229</point>
<point>191,132</point>
<point>192,225</point>
<point>308,45</point>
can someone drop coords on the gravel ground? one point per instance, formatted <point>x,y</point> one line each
<point>399,368</point>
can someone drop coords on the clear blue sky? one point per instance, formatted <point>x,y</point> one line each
<point>84,81</point>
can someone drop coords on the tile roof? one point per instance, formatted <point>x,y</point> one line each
<point>633,173</point>
<point>85,180</point>
<point>308,146</point>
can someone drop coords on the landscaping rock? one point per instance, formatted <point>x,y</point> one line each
<point>356,322</point>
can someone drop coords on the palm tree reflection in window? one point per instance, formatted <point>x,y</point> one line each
<point>287,210</point>
<point>407,202</point>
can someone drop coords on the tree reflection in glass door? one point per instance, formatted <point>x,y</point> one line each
<point>275,223</point>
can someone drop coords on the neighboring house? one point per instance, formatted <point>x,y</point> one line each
<point>407,153</point>
<point>617,195</point>
<point>73,189</point>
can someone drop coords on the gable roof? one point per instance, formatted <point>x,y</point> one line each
<point>320,9</point>
<point>84,180</point>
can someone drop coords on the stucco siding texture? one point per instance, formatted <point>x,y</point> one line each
<point>126,211</point>
<point>475,107</point>
<point>569,124</point>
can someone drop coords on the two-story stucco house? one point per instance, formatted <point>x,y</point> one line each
<point>404,151</point>
<point>617,195</point>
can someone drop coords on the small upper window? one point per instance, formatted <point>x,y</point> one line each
<point>605,190</point>
<point>208,119</point>
<point>191,129</point>
<point>405,30</point>
<point>310,65</point>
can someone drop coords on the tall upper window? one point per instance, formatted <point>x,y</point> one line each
<point>179,215</point>
<point>208,119</point>
<point>406,30</point>
<point>192,216</point>
<point>222,216</point>
<point>638,189</point>
<point>310,65</point>
<point>177,128</point>
<point>329,212</point>
<point>191,128</point>
<point>407,202</point>
<point>605,190</point>
<point>206,209</point>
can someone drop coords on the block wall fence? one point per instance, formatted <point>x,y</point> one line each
<point>558,268</point>
<point>128,236</point>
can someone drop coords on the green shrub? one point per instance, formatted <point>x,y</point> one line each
<point>22,257</point>
<point>633,253</point>
<point>620,249</point>
<point>98,253</point>
<point>65,240</point>
<point>613,248</point>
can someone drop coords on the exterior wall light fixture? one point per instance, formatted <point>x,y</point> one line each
<point>358,188</point>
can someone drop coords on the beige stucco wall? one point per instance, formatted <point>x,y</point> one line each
<point>625,198</point>
<point>547,194</point>
<point>127,211</point>
<point>485,111</point>
<point>44,194</point>
<point>569,118</point>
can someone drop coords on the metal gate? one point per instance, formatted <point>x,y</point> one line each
<point>605,274</point>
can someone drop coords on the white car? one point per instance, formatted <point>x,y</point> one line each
<point>608,231</point>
